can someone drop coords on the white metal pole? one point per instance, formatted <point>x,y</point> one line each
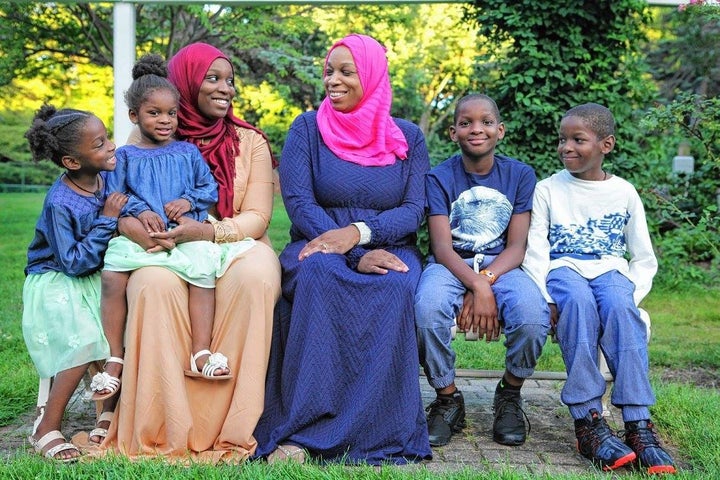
<point>123,60</point>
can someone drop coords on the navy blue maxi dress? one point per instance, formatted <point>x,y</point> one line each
<point>343,380</point>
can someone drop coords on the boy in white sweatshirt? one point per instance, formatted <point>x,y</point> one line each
<point>585,222</point>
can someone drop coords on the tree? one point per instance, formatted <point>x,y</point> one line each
<point>277,51</point>
<point>548,56</point>
<point>686,58</point>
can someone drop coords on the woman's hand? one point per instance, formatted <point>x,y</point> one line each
<point>339,240</point>
<point>381,261</point>
<point>134,230</point>
<point>188,230</point>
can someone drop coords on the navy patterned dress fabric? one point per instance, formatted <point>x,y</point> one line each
<point>343,380</point>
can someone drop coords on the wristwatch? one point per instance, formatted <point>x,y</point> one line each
<point>490,275</point>
<point>365,233</point>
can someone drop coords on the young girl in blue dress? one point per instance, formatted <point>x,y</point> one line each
<point>61,295</point>
<point>167,180</point>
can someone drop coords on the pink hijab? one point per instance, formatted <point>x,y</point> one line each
<point>186,70</point>
<point>367,135</point>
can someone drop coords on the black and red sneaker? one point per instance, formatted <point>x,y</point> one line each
<point>641,437</point>
<point>597,442</point>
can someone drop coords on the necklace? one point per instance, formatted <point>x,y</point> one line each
<point>97,193</point>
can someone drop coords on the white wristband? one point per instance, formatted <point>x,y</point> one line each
<point>365,233</point>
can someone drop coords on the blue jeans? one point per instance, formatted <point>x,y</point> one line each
<point>522,312</point>
<point>601,312</point>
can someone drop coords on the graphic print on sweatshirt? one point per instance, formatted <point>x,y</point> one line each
<point>604,236</point>
<point>478,219</point>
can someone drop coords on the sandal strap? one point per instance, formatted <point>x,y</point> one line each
<point>98,432</point>
<point>214,362</point>
<point>105,417</point>
<point>200,354</point>
<point>42,442</point>
<point>104,381</point>
<point>290,453</point>
<point>60,448</point>
<point>115,360</point>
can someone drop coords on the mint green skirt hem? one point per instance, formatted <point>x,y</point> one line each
<point>198,263</point>
<point>61,321</point>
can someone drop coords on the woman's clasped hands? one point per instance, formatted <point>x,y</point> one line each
<point>342,240</point>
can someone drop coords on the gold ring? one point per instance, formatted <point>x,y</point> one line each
<point>324,246</point>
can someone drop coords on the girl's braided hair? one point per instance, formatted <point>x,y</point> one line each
<point>55,133</point>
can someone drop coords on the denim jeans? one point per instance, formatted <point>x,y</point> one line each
<point>522,311</point>
<point>601,312</point>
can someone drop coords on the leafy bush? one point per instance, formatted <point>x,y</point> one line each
<point>546,57</point>
<point>684,206</point>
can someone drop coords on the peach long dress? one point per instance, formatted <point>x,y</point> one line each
<point>162,412</point>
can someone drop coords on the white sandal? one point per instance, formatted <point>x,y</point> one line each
<point>287,452</point>
<point>39,446</point>
<point>214,362</point>
<point>104,381</point>
<point>98,431</point>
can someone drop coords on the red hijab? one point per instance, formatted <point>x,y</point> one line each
<point>367,135</point>
<point>217,139</point>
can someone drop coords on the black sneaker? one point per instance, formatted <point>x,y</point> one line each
<point>643,440</point>
<point>509,422</point>
<point>446,416</point>
<point>598,443</point>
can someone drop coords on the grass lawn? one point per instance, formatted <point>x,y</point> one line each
<point>684,354</point>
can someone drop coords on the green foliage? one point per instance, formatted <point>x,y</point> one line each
<point>546,57</point>
<point>686,56</point>
<point>684,206</point>
<point>16,166</point>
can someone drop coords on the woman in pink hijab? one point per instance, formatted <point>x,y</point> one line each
<point>161,411</point>
<point>343,378</point>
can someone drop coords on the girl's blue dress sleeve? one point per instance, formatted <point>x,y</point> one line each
<point>76,254</point>
<point>205,193</point>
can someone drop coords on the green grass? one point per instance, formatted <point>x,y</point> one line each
<point>18,380</point>
<point>279,225</point>
<point>685,335</point>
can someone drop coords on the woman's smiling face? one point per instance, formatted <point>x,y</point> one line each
<point>217,89</point>
<point>341,79</point>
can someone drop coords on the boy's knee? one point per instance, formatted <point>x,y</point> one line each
<point>530,333</point>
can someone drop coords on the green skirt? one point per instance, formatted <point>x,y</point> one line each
<point>61,321</point>
<point>199,263</point>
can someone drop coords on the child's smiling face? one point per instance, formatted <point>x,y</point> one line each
<point>477,129</point>
<point>580,149</point>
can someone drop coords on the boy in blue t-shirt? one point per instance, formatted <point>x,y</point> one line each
<point>478,206</point>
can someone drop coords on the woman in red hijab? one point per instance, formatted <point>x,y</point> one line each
<point>161,411</point>
<point>343,377</point>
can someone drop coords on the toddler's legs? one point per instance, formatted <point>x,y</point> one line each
<point>202,315</point>
<point>63,386</point>
<point>113,311</point>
